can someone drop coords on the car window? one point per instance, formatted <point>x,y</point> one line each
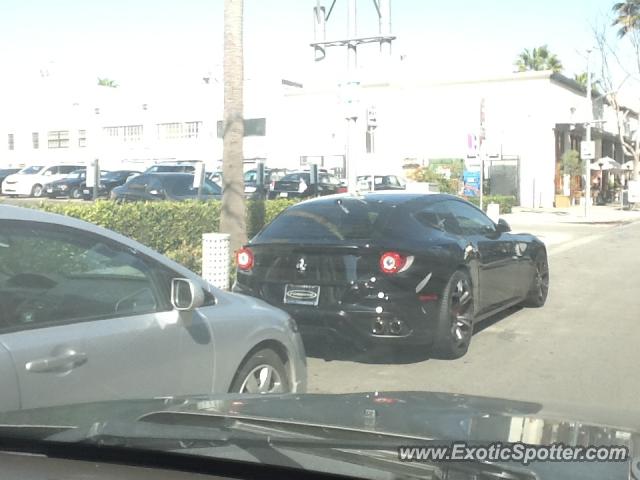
<point>138,181</point>
<point>470,220</point>
<point>65,169</point>
<point>52,274</point>
<point>250,176</point>
<point>50,171</point>
<point>31,170</point>
<point>439,216</point>
<point>331,222</point>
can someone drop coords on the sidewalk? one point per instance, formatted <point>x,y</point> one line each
<point>603,215</point>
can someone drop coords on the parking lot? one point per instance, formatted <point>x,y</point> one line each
<point>576,348</point>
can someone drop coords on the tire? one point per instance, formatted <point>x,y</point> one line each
<point>75,194</point>
<point>248,378</point>
<point>539,289</point>
<point>455,318</point>
<point>37,191</point>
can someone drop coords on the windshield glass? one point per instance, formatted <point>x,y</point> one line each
<point>183,186</point>
<point>33,169</point>
<point>419,225</point>
<point>335,221</point>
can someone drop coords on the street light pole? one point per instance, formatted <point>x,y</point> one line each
<point>587,187</point>
<point>352,118</point>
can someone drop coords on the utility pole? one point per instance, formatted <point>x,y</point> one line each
<point>587,161</point>
<point>352,118</point>
<point>321,16</point>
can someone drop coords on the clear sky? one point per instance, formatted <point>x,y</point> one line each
<point>138,42</point>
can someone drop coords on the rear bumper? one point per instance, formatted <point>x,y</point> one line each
<point>366,323</point>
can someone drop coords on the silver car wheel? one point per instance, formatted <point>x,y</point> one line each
<point>262,379</point>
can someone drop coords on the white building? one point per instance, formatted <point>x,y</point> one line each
<point>529,117</point>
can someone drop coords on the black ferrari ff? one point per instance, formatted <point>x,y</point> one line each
<point>395,268</point>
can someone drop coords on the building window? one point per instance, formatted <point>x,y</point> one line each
<point>82,138</point>
<point>176,130</point>
<point>168,131</point>
<point>133,133</point>
<point>191,129</point>
<point>125,134</point>
<point>253,127</point>
<point>35,140</point>
<point>11,141</point>
<point>58,139</point>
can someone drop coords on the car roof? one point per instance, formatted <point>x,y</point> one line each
<point>390,198</point>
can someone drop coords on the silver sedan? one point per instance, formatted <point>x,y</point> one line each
<point>89,315</point>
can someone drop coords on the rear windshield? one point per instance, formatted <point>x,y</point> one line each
<point>328,222</point>
<point>183,186</point>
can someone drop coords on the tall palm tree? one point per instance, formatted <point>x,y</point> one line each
<point>538,59</point>
<point>107,82</point>
<point>232,216</point>
<point>627,16</point>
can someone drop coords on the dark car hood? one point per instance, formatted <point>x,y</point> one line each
<point>422,414</point>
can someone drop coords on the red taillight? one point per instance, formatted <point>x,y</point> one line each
<point>244,259</point>
<point>341,190</point>
<point>392,262</point>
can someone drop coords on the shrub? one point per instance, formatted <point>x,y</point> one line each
<point>172,228</point>
<point>506,202</point>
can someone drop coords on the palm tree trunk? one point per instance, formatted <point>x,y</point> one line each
<point>232,216</point>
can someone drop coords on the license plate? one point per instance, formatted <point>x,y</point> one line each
<point>49,190</point>
<point>302,294</point>
<point>284,194</point>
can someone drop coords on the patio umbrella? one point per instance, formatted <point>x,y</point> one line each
<point>606,163</point>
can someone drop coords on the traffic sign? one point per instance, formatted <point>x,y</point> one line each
<point>588,150</point>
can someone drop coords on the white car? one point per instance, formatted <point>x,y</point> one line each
<point>30,180</point>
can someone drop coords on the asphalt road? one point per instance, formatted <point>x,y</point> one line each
<point>580,349</point>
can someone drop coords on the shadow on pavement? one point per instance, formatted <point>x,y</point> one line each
<point>340,350</point>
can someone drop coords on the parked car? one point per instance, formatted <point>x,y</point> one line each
<point>30,181</point>
<point>381,182</point>
<point>184,166</point>
<point>108,181</point>
<point>70,186</point>
<point>5,172</point>
<point>392,268</point>
<point>298,185</point>
<point>271,175</point>
<point>165,186</point>
<point>90,315</point>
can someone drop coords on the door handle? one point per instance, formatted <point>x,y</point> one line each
<point>60,363</point>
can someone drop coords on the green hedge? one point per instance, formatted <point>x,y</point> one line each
<point>506,202</point>
<point>172,228</point>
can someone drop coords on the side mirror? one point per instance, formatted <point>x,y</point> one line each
<point>186,295</point>
<point>502,226</point>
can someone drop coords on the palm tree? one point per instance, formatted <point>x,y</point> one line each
<point>627,16</point>
<point>232,215</point>
<point>538,59</point>
<point>581,78</point>
<point>106,82</point>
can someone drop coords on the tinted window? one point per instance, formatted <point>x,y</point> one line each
<point>65,169</point>
<point>50,274</point>
<point>440,217</point>
<point>470,220</point>
<point>182,186</point>
<point>295,177</point>
<point>330,222</point>
<point>139,180</point>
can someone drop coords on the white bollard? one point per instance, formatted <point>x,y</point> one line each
<point>493,211</point>
<point>215,259</point>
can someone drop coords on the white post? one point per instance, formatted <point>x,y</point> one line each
<point>215,259</point>
<point>587,187</point>
<point>352,65</point>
